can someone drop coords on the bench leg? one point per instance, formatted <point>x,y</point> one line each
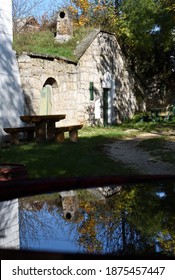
<point>30,135</point>
<point>73,135</point>
<point>14,138</point>
<point>59,136</point>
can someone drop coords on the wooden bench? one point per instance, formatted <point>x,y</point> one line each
<point>72,129</point>
<point>14,133</point>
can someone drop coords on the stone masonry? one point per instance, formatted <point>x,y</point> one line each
<point>100,64</point>
<point>64,26</point>
<point>36,71</point>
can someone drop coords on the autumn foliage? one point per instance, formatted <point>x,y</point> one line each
<point>79,10</point>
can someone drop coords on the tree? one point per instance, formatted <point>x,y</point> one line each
<point>145,29</point>
<point>80,11</point>
<point>22,8</point>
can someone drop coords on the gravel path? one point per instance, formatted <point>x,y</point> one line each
<point>128,153</point>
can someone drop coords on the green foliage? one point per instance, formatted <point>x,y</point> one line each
<point>166,22</point>
<point>140,18</point>
<point>143,122</point>
<point>145,29</point>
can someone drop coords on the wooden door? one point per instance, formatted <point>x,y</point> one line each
<point>46,100</point>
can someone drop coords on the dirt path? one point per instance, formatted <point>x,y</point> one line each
<point>128,152</point>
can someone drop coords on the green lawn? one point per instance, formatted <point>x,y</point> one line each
<point>85,158</point>
<point>67,159</point>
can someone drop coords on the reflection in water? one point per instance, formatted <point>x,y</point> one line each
<point>70,204</point>
<point>132,220</point>
<point>9,226</point>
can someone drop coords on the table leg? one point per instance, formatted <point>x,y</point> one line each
<point>40,128</point>
<point>59,136</point>
<point>14,138</point>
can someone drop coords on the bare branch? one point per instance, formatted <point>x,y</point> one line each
<point>23,10</point>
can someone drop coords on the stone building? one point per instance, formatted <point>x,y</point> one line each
<point>97,89</point>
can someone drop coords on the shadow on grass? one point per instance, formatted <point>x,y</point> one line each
<point>86,157</point>
<point>161,147</point>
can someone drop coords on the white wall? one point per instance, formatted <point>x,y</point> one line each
<point>9,224</point>
<point>11,95</point>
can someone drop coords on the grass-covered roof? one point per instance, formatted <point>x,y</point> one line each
<point>43,42</point>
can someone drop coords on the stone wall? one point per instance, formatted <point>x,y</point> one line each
<point>61,75</point>
<point>9,224</point>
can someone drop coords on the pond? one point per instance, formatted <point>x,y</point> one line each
<point>123,220</point>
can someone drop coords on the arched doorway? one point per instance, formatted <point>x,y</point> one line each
<point>46,98</point>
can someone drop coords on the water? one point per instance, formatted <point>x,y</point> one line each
<point>132,220</point>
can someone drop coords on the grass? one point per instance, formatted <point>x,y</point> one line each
<point>43,42</point>
<point>68,159</point>
<point>87,157</point>
<point>137,123</point>
<point>157,148</point>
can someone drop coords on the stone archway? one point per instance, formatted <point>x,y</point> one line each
<point>46,98</point>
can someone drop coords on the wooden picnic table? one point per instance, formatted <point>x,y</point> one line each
<point>43,124</point>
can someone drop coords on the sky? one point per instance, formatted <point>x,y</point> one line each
<point>49,6</point>
<point>38,7</point>
<point>47,230</point>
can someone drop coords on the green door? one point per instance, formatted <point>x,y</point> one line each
<point>46,100</point>
<point>105,106</point>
